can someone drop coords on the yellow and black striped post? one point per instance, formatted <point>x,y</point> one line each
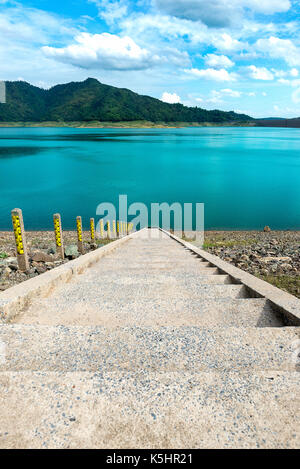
<point>108,230</point>
<point>114,232</point>
<point>58,235</point>
<point>118,229</point>
<point>101,229</point>
<point>21,248</point>
<point>79,235</point>
<point>92,229</point>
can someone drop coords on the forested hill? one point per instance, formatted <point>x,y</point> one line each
<point>90,100</point>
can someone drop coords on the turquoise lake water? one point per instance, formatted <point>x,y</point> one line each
<point>247,177</point>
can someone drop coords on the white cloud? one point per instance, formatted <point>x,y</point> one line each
<point>171,98</point>
<point>278,48</point>
<point>259,73</point>
<point>106,51</point>
<point>294,72</point>
<point>225,42</point>
<point>219,13</point>
<point>231,93</point>
<point>211,74</point>
<point>218,61</point>
<point>111,10</point>
<point>284,81</point>
<point>296,96</point>
<point>215,97</point>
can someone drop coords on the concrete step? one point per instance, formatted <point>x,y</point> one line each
<point>150,410</point>
<point>173,264</point>
<point>133,268</point>
<point>161,277</point>
<point>128,287</point>
<point>92,287</point>
<point>145,349</point>
<point>112,312</point>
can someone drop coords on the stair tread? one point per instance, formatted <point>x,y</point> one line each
<point>153,410</point>
<point>79,348</point>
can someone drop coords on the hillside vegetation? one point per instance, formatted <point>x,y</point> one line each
<point>91,100</point>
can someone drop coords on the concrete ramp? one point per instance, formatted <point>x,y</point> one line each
<point>153,346</point>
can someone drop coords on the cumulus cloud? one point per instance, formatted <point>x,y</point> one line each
<point>171,98</point>
<point>106,51</point>
<point>278,48</point>
<point>219,13</point>
<point>259,73</point>
<point>211,74</point>
<point>225,42</point>
<point>218,61</point>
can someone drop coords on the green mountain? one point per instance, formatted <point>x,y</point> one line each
<point>90,100</point>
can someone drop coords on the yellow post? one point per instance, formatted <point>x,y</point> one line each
<point>114,229</point>
<point>21,248</point>
<point>58,235</point>
<point>108,230</point>
<point>101,229</point>
<point>79,235</point>
<point>124,228</point>
<point>92,228</point>
<point>118,229</point>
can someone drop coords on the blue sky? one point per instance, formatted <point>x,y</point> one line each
<point>241,55</point>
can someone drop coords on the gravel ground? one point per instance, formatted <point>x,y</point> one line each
<point>273,256</point>
<point>42,254</point>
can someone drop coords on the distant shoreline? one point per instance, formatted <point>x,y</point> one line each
<point>124,125</point>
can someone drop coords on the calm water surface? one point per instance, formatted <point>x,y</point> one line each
<point>247,177</point>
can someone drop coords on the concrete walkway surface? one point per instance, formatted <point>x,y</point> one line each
<point>152,347</point>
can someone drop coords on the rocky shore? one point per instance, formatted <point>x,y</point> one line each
<point>42,254</point>
<point>273,256</point>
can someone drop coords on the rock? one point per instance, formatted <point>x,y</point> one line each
<point>71,251</point>
<point>52,249</point>
<point>6,273</point>
<point>267,229</point>
<point>244,257</point>
<point>13,266</point>
<point>40,256</point>
<point>8,260</point>
<point>286,266</point>
<point>41,268</point>
<point>275,259</point>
